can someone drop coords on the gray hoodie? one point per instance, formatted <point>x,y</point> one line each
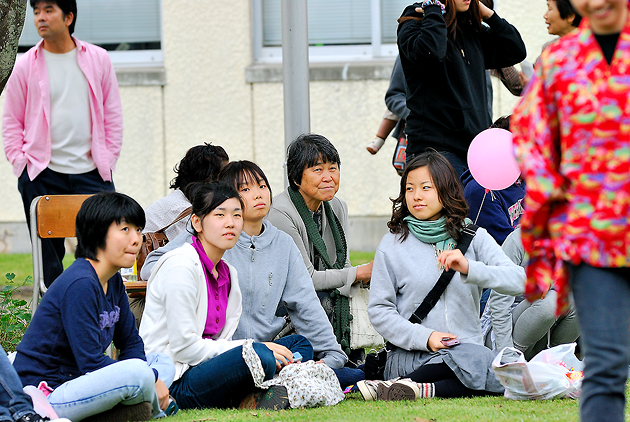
<point>271,273</point>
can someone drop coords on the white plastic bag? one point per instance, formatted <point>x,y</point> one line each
<point>552,373</point>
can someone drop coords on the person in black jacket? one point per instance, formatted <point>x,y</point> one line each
<point>444,51</point>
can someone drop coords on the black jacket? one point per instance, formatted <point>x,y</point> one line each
<point>446,79</point>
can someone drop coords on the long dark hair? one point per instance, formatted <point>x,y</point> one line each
<point>467,21</point>
<point>208,196</point>
<point>449,190</point>
<point>238,173</point>
<point>202,163</point>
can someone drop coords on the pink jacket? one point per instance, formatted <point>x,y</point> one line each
<point>26,117</point>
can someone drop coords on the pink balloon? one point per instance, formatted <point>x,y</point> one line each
<point>491,159</point>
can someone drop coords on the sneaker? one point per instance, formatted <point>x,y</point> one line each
<point>35,417</point>
<point>172,407</point>
<point>367,388</point>
<point>122,413</point>
<point>276,398</point>
<point>382,392</point>
<point>408,390</point>
<point>375,145</point>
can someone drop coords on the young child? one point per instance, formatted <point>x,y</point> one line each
<point>193,306</point>
<point>397,111</point>
<point>571,135</point>
<point>63,349</point>
<point>427,219</point>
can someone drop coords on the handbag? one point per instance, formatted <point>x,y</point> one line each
<point>153,240</point>
<point>362,334</point>
<point>375,360</point>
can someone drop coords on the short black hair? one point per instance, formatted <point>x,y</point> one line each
<point>306,151</point>
<point>208,196</point>
<point>565,8</point>
<point>502,122</point>
<point>97,214</point>
<point>238,173</point>
<point>66,6</point>
<point>202,163</point>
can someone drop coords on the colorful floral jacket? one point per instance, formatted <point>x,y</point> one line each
<point>571,132</point>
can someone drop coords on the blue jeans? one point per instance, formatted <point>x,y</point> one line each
<point>222,381</point>
<point>49,182</point>
<point>14,402</point>
<point>128,382</point>
<point>602,302</point>
<point>297,343</point>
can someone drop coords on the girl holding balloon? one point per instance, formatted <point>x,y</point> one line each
<point>444,51</point>
<point>427,221</point>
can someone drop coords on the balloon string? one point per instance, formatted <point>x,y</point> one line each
<point>480,206</point>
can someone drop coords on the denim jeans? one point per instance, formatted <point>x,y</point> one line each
<point>14,402</point>
<point>297,343</point>
<point>222,381</point>
<point>50,182</point>
<point>602,302</point>
<point>130,381</point>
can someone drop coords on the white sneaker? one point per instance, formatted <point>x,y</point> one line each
<point>406,389</point>
<point>367,388</point>
<point>375,145</point>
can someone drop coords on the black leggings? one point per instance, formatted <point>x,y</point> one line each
<point>447,385</point>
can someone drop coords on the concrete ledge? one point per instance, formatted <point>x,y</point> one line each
<point>133,76</point>
<point>368,70</point>
<point>14,238</point>
<point>365,235</point>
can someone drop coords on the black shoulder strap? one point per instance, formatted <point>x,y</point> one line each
<point>433,296</point>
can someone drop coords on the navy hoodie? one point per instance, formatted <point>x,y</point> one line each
<point>501,210</point>
<point>73,326</point>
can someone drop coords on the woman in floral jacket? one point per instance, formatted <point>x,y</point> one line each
<point>572,133</point>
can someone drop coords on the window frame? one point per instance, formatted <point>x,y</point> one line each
<point>133,59</point>
<point>376,50</point>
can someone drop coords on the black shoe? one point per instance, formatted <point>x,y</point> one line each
<point>33,417</point>
<point>276,398</point>
<point>123,413</point>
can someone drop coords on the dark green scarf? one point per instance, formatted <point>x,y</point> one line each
<point>341,305</point>
<point>432,231</point>
<point>314,236</point>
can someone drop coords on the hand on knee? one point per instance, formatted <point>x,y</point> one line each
<point>267,359</point>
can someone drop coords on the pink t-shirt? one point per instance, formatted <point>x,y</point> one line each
<point>218,291</point>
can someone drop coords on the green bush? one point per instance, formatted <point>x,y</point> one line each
<point>15,314</point>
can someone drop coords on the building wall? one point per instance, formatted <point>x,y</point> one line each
<point>209,91</point>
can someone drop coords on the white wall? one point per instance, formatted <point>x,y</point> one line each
<point>206,98</point>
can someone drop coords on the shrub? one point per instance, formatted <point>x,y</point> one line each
<point>15,314</point>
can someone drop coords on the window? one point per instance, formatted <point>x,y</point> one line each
<point>129,30</point>
<point>338,30</point>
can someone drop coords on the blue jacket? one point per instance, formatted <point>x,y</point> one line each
<point>502,209</point>
<point>73,326</point>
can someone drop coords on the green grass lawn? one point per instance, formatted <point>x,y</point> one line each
<point>353,408</point>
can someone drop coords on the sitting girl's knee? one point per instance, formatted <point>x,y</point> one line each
<point>137,371</point>
<point>267,359</point>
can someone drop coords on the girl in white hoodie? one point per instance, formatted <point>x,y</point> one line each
<point>193,307</point>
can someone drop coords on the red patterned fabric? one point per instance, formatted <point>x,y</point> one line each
<point>572,132</point>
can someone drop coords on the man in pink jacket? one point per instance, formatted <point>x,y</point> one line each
<point>62,121</point>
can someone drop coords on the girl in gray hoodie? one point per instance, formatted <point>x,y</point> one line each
<point>426,225</point>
